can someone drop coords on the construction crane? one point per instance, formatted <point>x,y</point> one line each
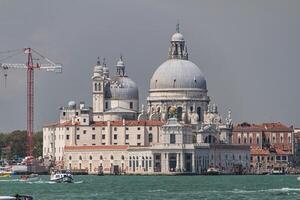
<point>35,60</point>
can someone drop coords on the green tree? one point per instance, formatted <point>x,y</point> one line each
<point>38,144</point>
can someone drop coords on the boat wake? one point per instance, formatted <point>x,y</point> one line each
<point>267,190</point>
<point>9,180</point>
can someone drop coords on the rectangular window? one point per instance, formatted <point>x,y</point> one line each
<point>103,143</point>
<point>278,158</point>
<point>115,136</point>
<point>150,137</point>
<point>138,136</point>
<point>84,131</point>
<point>93,128</point>
<point>103,137</point>
<point>131,105</point>
<point>172,139</point>
<point>127,137</point>
<point>77,137</point>
<point>93,144</point>
<point>150,128</point>
<point>67,128</point>
<point>84,120</point>
<point>77,128</point>
<point>67,137</point>
<point>283,157</point>
<point>64,113</point>
<point>127,128</point>
<point>126,143</point>
<point>115,143</point>
<point>103,128</point>
<point>93,137</point>
<point>106,105</point>
<point>139,144</point>
<point>76,113</point>
<point>138,128</point>
<point>115,129</point>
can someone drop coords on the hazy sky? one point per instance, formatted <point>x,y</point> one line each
<point>249,52</point>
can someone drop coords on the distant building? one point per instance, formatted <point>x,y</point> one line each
<point>272,145</point>
<point>178,132</point>
<point>297,146</point>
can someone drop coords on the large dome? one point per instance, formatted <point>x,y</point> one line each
<point>123,88</point>
<point>178,73</point>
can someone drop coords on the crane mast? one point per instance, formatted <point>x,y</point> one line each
<point>30,66</point>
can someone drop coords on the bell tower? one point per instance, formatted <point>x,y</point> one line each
<point>98,91</point>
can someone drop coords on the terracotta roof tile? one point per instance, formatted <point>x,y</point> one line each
<point>259,151</point>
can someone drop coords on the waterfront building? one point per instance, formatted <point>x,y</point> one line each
<point>178,132</point>
<point>272,145</point>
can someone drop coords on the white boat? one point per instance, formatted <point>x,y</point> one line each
<point>213,171</point>
<point>61,177</point>
<point>16,197</point>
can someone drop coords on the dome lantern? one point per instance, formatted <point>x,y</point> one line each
<point>178,48</point>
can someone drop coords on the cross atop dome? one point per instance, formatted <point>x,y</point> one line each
<point>177,27</point>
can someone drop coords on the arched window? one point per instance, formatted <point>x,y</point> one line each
<point>91,158</point>
<point>70,157</point>
<point>122,157</point>
<point>96,87</point>
<point>101,157</point>
<point>239,140</point>
<point>245,140</point>
<point>199,113</point>
<point>111,157</point>
<point>179,113</point>
<point>281,139</point>
<point>99,86</point>
<point>158,109</point>
<point>257,140</point>
<point>250,140</point>
<point>80,157</point>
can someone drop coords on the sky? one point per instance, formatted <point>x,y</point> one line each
<point>248,50</point>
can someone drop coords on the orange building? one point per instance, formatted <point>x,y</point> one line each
<point>272,145</point>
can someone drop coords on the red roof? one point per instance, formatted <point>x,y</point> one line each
<point>104,147</point>
<point>282,152</point>
<point>259,151</point>
<point>269,127</point>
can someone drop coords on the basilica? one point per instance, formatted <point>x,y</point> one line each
<point>179,131</point>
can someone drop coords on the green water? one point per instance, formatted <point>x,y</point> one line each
<point>158,187</point>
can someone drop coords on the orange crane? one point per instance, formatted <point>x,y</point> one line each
<point>33,62</point>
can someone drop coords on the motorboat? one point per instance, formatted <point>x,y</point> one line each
<point>16,197</point>
<point>213,171</point>
<point>30,178</point>
<point>5,172</point>
<point>60,177</point>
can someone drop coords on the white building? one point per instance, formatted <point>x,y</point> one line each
<point>178,133</point>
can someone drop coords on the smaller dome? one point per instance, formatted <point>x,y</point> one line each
<point>177,37</point>
<point>123,88</point>
<point>71,104</point>
<point>98,68</point>
<point>120,63</point>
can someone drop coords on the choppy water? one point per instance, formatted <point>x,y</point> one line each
<point>158,187</point>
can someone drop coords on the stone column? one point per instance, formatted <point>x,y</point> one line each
<point>193,162</point>
<point>177,162</point>
<point>181,161</point>
<point>167,162</point>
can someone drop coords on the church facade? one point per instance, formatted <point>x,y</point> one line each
<point>178,132</point>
